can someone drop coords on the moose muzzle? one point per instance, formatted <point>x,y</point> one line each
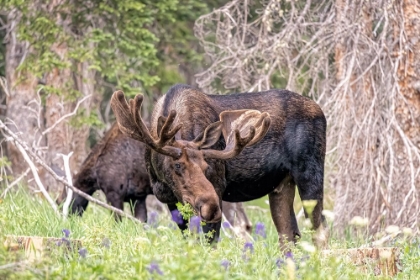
<point>209,208</point>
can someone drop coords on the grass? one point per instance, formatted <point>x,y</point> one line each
<point>129,250</point>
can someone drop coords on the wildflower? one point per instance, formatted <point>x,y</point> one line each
<point>248,250</point>
<point>153,219</point>
<point>307,223</point>
<point>65,241</point>
<point>392,229</point>
<point>195,224</point>
<point>154,267</point>
<point>359,221</point>
<point>249,246</point>
<point>307,247</point>
<point>225,264</point>
<point>329,215</point>
<point>407,231</point>
<point>260,229</point>
<point>290,269</point>
<point>106,243</point>
<point>177,217</point>
<point>279,263</point>
<point>226,225</point>
<point>66,233</point>
<point>289,255</point>
<point>83,252</point>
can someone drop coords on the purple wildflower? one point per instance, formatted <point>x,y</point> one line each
<point>154,267</point>
<point>249,246</point>
<point>289,255</point>
<point>65,241</point>
<point>279,263</point>
<point>83,252</point>
<point>66,233</point>
<point>226,225</point>
<point>260,229</point>
<point>177,217</point>
<point>195,224</point>
<point>153,219</point>
<point>248,250</point>
<point>106,243</point>
<point>225,264</point>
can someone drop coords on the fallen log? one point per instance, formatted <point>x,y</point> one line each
<point>382,261</point>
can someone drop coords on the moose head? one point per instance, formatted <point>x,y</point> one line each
<point>184,162</point>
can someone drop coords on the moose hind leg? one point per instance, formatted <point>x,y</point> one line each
<point>140,209</point>
<point>311,192</point>
<point>282,212</point>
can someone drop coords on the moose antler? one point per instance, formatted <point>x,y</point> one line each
<point>236,123</point>
<point>131,124</point>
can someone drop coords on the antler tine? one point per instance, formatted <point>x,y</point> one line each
<point>266,121</point>
<point>135,105</point>
<point>121,110</point>
<point>165,133</point>
<point>131,123</point>
<point>240,143</point>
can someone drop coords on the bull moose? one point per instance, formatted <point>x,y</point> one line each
<point>116,165</point>
<point>202,149</point>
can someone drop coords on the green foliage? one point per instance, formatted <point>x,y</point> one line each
<point>126,250</point>
<point>4,161</point>
<point>186,210</point>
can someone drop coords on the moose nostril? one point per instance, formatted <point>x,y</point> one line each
<point>210,213</point>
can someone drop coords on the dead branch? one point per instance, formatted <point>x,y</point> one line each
<point>15,182</point>
<point>66,115</point>
<point>66,205</point>
<point>36,176</point>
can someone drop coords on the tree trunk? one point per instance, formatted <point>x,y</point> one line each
<point>407,110</point>
<point>65,138</point>
<point>23,111</point>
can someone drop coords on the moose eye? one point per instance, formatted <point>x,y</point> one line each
<point>178,169</point>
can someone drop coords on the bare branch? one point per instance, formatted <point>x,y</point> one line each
<point>15,182</point>
<point>36,177</point>
<point>66,115</point>
<point>66,205</point>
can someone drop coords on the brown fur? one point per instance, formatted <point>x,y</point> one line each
<point>116,166</point>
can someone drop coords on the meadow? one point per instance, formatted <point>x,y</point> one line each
<point>158,250</point>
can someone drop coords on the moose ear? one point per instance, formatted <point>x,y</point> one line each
<point>242,120</point>
<point>210,136</point>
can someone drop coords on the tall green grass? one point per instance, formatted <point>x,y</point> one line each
<point>129,250</point>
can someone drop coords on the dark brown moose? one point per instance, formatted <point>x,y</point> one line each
<point>116,166</point>
<point>239,147</point>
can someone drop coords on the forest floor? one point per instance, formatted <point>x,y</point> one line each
<point>158,250</point>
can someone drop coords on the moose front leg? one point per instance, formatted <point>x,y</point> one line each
<point>115,200</point>
<point>281,206</point>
